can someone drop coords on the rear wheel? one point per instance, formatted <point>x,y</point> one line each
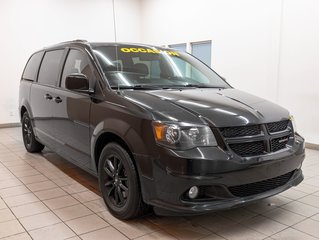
<point>30,143</point>
<point>118,182</point>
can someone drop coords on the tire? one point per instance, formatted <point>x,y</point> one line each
<point>30,143</point>
<point>119,183</point>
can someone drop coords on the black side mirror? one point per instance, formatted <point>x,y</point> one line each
<point>78,82</point>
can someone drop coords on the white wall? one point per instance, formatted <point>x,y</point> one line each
<point>27,26</point>
<point>299,65</point>
<point>266,47</point>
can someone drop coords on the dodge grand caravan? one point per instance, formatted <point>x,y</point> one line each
<point>157,127</point>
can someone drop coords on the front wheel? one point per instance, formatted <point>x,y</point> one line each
<point>118,182</point>
<point>30,143</point>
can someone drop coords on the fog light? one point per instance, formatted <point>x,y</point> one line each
<point>193,192</point>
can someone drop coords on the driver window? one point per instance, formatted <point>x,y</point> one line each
<point>77,62</point>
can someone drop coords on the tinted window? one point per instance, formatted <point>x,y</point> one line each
<point>31,69</point>
<point>77,62</point>
<point>49,70</point>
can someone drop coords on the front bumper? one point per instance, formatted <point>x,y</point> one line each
<point>165,182</point>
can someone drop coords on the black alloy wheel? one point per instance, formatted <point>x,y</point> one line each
<point>119,184</point>
<point>116,181</point>
<point>30,143</point>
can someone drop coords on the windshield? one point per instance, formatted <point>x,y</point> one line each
<point>128,66</point>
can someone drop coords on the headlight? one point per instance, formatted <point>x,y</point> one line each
<point>183,135</point>
<point>292,119</point>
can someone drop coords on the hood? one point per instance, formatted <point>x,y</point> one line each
<point>220,107</point>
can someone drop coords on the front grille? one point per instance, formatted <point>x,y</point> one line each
<point>260,187</point>
<point>254,140</point>
<point>230,132</point>
<point>277,126</point>
<point>249,148</point>
<point>278,143</point>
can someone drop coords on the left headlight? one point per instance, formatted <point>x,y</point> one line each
<point>183,135</point>
<point>292,119</point>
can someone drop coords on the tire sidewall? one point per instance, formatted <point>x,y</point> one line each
<point>132,201</point>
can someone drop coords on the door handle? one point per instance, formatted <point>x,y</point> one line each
<point>57,99</point>
<point>47,96</point>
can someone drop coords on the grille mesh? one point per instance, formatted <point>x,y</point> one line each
<point>279,143</point>
<point>249,148</point>
<point>260,187</point>
<point>277,126</point>
<point>240,131</point>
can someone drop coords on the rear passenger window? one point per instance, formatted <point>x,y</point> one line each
<point>77,62</point>
<point>31,69</point>
<point>49,70</point>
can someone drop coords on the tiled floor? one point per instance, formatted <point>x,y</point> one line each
<point>44,197</point>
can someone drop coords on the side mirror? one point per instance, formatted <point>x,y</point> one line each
<point>78,82</point>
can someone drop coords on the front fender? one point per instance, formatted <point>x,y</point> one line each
<point>135,134</point>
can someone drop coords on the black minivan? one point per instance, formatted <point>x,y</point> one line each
<point>157,127</point>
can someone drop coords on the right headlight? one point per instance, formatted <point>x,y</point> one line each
<point>183,136</point>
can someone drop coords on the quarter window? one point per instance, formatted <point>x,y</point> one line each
<point>77,62</point>
<point>49,70</point>
<point>31,69</point>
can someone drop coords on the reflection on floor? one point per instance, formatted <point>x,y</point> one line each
<point>42,196</point>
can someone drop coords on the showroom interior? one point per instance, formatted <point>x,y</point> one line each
<point>265,48</point>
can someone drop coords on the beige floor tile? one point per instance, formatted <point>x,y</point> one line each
<point>60,202</point>
<point>39,186</point>
<point>160,235</point>
<point>213,222</point>
<point>74,188</point>
<point>13,191</point>
<point>238,215</point>
<point>284,216</point>
<point>53,232</point>
<point>311,200</point>
<point>96,205</point>
<point>187,231</point>
<point>213,236</point>
<point>17,162</point>
<point>86,196</point>
<point>20,168</point>
<point>39,220</point>
<point>6,175</point>
<point>264,225</point>
<point>292,234</point>
<point>293,194</point>
<point>50,193</point>
<point>301,208</point>
<point>33,179</point>
<point>240,232</point>
<point>10,183</point>
<point>135,228</point>
<point>26,173</point>
<point>73,212</point>
<point>2,204</point>
<point>308,226</point>
<point>315,217</point>
<point>6,215</point>
<point>161,221</point>
<point>87,224</point>
<point>29,209</point>
<point>100,234</point>
<point>10,228</point>
<point>107,216</point>
<point>20,236</point>
<point>20,199</point>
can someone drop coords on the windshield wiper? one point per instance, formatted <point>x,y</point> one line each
<point>136,87</point>
<point>191,85</point>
